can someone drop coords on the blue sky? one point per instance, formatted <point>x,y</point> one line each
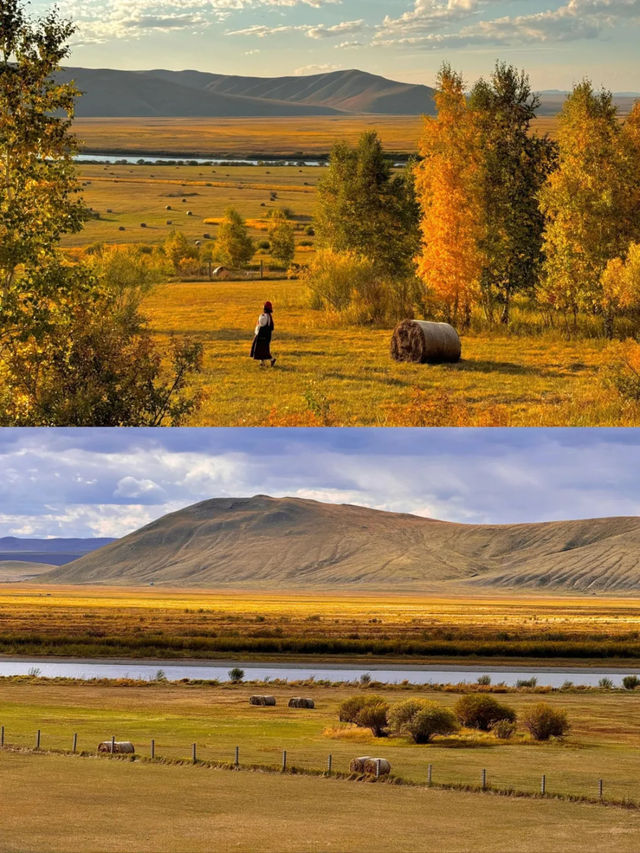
<point>557,41</point>
<point>109,482</point>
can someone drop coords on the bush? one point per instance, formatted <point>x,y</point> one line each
<point>630,682</point>
<point>422,719</point>
<point>477,711</point>
<point>368,712</point>
<point>605,684</point>
<point>543,722</point>
<point>484,680</point>
<point>236,675</point>
<point>526,682</point>
<point>503,729</point>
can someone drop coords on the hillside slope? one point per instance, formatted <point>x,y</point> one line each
<point>180,94</point>
<point>290,542</point>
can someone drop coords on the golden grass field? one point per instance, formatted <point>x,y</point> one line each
<point>329,373</point>
<point>174,623</point>
<point>76,795</point>
<point>338,375</point>
<point>255,137</point>
<point>80,805</point>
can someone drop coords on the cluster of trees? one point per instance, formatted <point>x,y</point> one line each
<point>74,345</point>
<point>233,246</point>
<point>491,210</point>
<point>421,719</point>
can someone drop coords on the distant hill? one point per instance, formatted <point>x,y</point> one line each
<point>180,94</point>
<point>288,543</point>
<point>15,571</point>
<point>54,552</point>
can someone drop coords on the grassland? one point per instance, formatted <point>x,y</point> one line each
<point>330,373</point>
<point>182,624</point>
<point>85,805</point>
<point>602,743</point>
<point>338,375</point>
<point>255,138</point>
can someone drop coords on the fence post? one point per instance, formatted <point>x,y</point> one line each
<point>2,736</point>
<point>284,760</point>
<point>75,741</point>
<point>153,748</point>
<point>429,774</point>
<point>330,764</point>
<point>484,779</point>
<point>543,786</point>
<point>38,739</point>
<point>194,754</point>
<point>600,788</point>
<point>113,744</point>
<point>237,761</point>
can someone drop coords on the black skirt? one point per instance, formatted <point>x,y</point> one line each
<point>261,346</point>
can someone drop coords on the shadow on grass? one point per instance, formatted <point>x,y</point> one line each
<point>486,366</point>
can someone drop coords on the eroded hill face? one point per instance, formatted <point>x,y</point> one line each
<point>293,543</point>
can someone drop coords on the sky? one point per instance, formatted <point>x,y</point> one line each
<point>557,41</point>
<point>110,482</point>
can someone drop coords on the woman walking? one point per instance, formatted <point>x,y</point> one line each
<point>261,347</point>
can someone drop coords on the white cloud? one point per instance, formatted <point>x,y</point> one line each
<point>315,69</point>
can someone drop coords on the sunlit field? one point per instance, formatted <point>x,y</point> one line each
<point>195,809</point>
<point>255,137</point>
<point>183,624</point>
<point>333,374</point>
<point>602,742</point>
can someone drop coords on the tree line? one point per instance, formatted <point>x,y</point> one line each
<point>491,210</point>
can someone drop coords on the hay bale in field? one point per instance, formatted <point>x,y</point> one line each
<point>423,342</point>
<point>120,747</point>
<point>356,765</point>
<point>269,701</point>
<point>371,764</point>
<point>300,702</point>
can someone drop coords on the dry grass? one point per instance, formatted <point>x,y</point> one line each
<point>111,806</point>
<point>336,375</point>
<point>97,621</point>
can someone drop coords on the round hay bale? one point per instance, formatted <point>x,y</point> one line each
<point>371,764</point>
<point>356,765</point>
<point>262,700</point>
<point>269,700</point>
<point>299,702</point>
<point>122,747</point>
<point>423,342</point>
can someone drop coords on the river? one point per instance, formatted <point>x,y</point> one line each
<point>147,670</point>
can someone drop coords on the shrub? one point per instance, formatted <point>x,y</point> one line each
<point>484,680</point>
<point>527,682</point>
<point>368,712</point>
<point>365,678</point>
<point>542,721</point>
<point>477,711</point>
<point>422,719</point>
<point>605,684</point>
<point>236,675</point>
<point>630,682</point>
<point>567,685</point>
<point>503,729</point>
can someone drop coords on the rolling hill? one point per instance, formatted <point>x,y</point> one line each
<point>293,543</point>
<point>54,552</point>
<point>180,94</point>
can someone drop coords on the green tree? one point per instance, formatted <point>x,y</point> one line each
<point>282,239</point>
<point>38,189</point>
<point>543,722</point>
<point>364,208</point>
<point>516,165</point>
<point>178,249</point>
<point>590,207</point>
<point>479,711</point>
<point>234,246</point>
<point>422,719</point>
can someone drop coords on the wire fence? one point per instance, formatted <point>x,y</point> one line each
<point>592,789</point>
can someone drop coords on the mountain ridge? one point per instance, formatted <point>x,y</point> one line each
<point>114,93</point>
<point>298,543</point>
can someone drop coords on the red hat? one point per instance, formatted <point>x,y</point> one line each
<point>268,307</point>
